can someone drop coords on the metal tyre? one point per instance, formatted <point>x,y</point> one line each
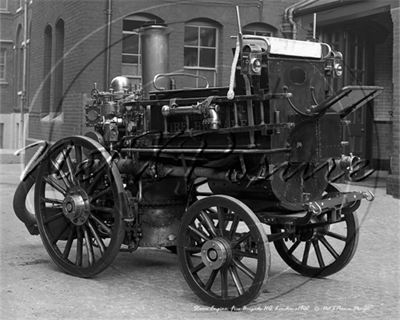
<point>223,252</point>
<point>79,206</point>
<point>323,250</point>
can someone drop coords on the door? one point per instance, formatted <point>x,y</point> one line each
<point>351,41</point>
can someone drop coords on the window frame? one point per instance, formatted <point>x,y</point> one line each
<point>137,77</point>
<point>5,8</point>
<point>3,50</point>
<point>198,69</point>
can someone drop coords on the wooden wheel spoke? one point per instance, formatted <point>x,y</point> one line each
<point>93,184</point>
<point>244,269</point>
<point>306,253</point>
<point>60,233</point>
<point>198,232</point>
<point>293,247</point>
<point>55,185</point>
<point>208,224</point>
<point>79,247</point>
<point>318,253</point>
<point>89,246</point>
<point>329,247</point>
<point>100,194</point>
<point>56,216</point>
<point>335,235</point>
<point>193,249</point>
<point>224,283</point>
<point>105,228</point>
<point>234,226</point>
<point>242,238</point>
<point>236,279</point>
<point>211,280</point>
<point>78,156</point>
<point>245,254</point>
<point>68,246</point>
<point>51,200</point>
<point>70,165</point>
<point>221,222</point>
<point>199,267</point>
<point>97,237</point>
<point>102,209</point>
<point>61,173</point>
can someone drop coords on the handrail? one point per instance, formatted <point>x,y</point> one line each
<point>161,75</point>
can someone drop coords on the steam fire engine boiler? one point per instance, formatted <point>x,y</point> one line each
<point>213,174</point>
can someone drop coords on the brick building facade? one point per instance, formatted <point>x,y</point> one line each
<point>74,44</point>
<point>11,74</point>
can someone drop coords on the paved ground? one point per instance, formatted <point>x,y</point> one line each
<point>148,284</point>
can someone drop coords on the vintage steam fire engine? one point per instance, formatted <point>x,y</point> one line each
<point>214,174</point>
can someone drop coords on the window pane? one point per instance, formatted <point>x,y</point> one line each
<point>3,56</point>
<point>3,4</point>
<point>207,37</point>
<point>191,36</point>
<point>207,58</point>
<point>191,57</point>
<point>130,44</point>
<point>263,33</point>
<point>130,59</point>
<point>2,75</point>
<point>130,25</point>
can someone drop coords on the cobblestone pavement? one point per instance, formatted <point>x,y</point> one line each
<point>148,284</point>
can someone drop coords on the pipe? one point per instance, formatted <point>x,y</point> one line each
<point>24,73</point>
<point>108,53</point>
<point>288,16</point>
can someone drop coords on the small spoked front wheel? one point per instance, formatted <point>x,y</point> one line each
<point>321,248</point>
<point>223,252</point>
<point>78,206</point>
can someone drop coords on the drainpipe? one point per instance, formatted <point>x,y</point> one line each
<point>24,73</point>
<point>289,27</point>
<point>108,44</point>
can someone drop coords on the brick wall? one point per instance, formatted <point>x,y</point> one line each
<point>393,180</point>
<point>383,104</point>
<point>6,85</point>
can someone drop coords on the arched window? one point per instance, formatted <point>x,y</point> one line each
<point>19,58</point>
<point>59,70</point>
<point>3,59</point>
<point>201,51</point>
<point>260,29</point>
<point>131,46</point>
<point>48,39</point>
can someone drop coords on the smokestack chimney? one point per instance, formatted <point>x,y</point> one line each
<point>155,55</point>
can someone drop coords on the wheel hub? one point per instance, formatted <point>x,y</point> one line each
<point>313,233</point>
<point>216,253</point>
<point>76,206</point>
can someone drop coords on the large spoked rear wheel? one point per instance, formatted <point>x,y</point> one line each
<point>223,252</point>
<point>79,207</point>
<point>322,250</point>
